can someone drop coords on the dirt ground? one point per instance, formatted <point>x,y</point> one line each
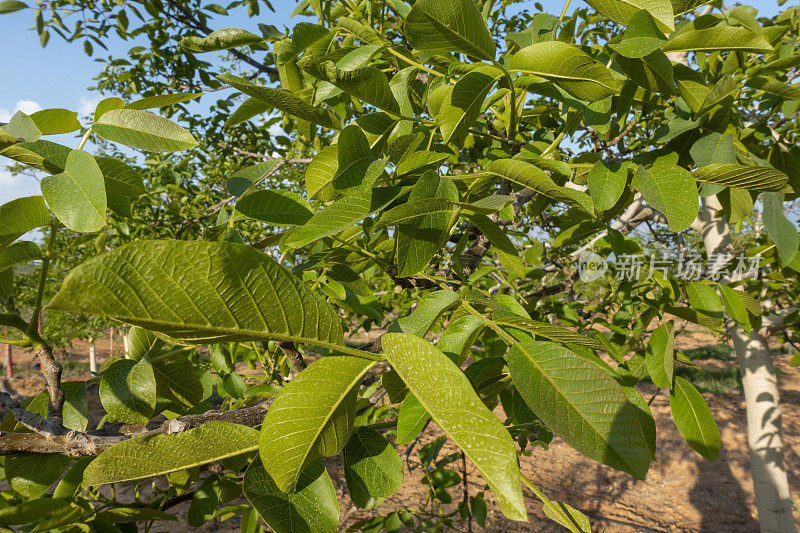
<point>683,492</point>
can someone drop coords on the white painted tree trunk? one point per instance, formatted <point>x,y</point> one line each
<point>126,343</point>
<point>92,356</point>
<point>762,401</point>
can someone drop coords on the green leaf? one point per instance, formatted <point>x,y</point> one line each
<point>283,100</point>
<point>624,11</point>
<point>143,130</point>
<point>549,331</point>
<point>22,127</point>
<point>689,314</point>
<point>142,342</point>
<point>223,39</point>
<point>19,253</point>
<point>176,381</point>
<point>735,307</point>
<point>77,196</point>
<point>531,176</point>
<point>713,148</point>
<point>607,183</point>
<point>455,26</point>
<point>297,424</point>
<point>10,6</point>
<point>561,513</point>
<point>21,215</point>
<point>162,453</point>
<point>694,420</point>
<point>162,100</point>
<point>509,257</point>
<point>717,38</point>
<point>128,390</point>
<point>781,230</point>
<point>367,84</point>
<point>76,405</point>
<point>106,105</point>
<point>458,337</point>
<point>568,67</point>
<point>372,468</point>
<point>446,393</point>
<point>414,209</point>
<point>773,86</point>
<point>274,208</point>
<point>243,180</point>
<point>200,293</point>
<point>419,239</point>
<point>722,93</point>
<point>642,37</point>
<point>750,177</point>
<point>120,178</point>
<point>464,101</point>
<point>313,508</point>
<point>671,190</point>
<point>582,403</point>
<point>319,174</point>
<point>428,309</point>
<point>342,214</point>
<point>357,169</point>
<point>410,419</point>
<point>55,121</point>
<point>32,475</point>
<point>660,356</point>
<point>250,108</point>
<point>46,512</point>
<point>126,515</point>
<point>703,298</point>
<point>204,502</point>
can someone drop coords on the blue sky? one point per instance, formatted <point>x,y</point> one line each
<point>58,76</point>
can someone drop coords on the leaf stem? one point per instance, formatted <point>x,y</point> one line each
<point>412,62</point>
<point>33,325</point>
<point>84,138</point>
<point>564,11</point>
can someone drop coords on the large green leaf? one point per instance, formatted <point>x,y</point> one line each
<point>455,26</point>
<point>529,175</point>
<point>718,38</point>
<point>464,101</point>
<point>342,214</point>
<point>671,190</point>
<point>367,84</point>
<point>735,307</point>
<point>549,331</point>
<point>320,172</point>
<point>143,130</point>
<point>773,86</point>
<point>642,37</point>
<point>313,508</point>
<point>713,148</point>
<point>200,293</point>
<point>660,356</point>
<point>781,230</point>
<point>55,121</point>
<point>47,512</point>
<point>162,453</point>
<point>372,468</point>
<point>569,67</point>
<point>304,416</point>
<point>357,169</point>
<point>32,474</point>
<point>120,178</point>
<point>419,239</point>
<point>176,381</point>
<point>220,40</point>
<point>283,100</point>
<point>447,394</point>
<point>162,100</point>
<point>694,419</point>
<point>750,177</point>
<point>607,183</point>
<point>21,215</point>
<point>128,390</point>
<point>582,403</point>
<point>274,207</point>
<point>19,253</point>
<point>428,309</point>
<point>623,11</point>
<point>410,419</point>
<point>77,196</point>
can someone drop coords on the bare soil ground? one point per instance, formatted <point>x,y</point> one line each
<point>683,492</point>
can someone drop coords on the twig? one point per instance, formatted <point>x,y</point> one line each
<point>465,482</point>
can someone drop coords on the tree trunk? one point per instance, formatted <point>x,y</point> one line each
<point>762,400</point>
<point>9,362</point>
<point>92,356</point>
<point>126,343</point>
<point>110,341</point>
<point>764,432</point>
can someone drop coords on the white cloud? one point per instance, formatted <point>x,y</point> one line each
<point>86,104</point>
<point>26,106</point>
<point>16,186</point>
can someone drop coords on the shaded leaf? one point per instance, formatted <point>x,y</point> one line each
<point>372,468</point>
<point>694,420</point>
